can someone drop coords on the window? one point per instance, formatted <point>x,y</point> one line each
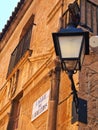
<point>15,112</point>
<point>23,45</point>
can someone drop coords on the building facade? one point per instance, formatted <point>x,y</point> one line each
<point>27,64</point>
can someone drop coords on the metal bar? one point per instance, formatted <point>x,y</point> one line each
<point>92,17</point>
<point>97,19</point>
<point>92,3</point>
<point>62,19</point>
<point>65,12</point>
<point>74,91</point>
<point>85,12</point>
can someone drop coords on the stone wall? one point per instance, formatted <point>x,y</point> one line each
<point>89,89</point>
<point>34,71</point>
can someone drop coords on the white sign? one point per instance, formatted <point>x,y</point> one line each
<point>40,105</point>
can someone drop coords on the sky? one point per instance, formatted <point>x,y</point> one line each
<point>6,9</point>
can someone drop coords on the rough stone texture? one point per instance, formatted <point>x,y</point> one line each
<point>89,90</point>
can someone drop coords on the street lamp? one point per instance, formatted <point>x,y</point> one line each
<point>71,45</point>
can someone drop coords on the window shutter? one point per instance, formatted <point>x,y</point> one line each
<point>15,112</point>
<point>89,15</point>
<point>23,45</point>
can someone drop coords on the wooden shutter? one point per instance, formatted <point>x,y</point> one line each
<point>15,112</point>
<point>23,45</point>
<point>89,15</point>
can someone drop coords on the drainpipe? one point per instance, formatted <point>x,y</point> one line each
<point>54,96</point>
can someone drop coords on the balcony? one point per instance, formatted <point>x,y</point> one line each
<point>88,16</point>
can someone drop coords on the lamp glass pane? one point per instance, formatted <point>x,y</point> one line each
<point>70,46</point>
<point>71,65</point>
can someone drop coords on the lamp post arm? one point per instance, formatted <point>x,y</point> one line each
<point>74,91</point>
